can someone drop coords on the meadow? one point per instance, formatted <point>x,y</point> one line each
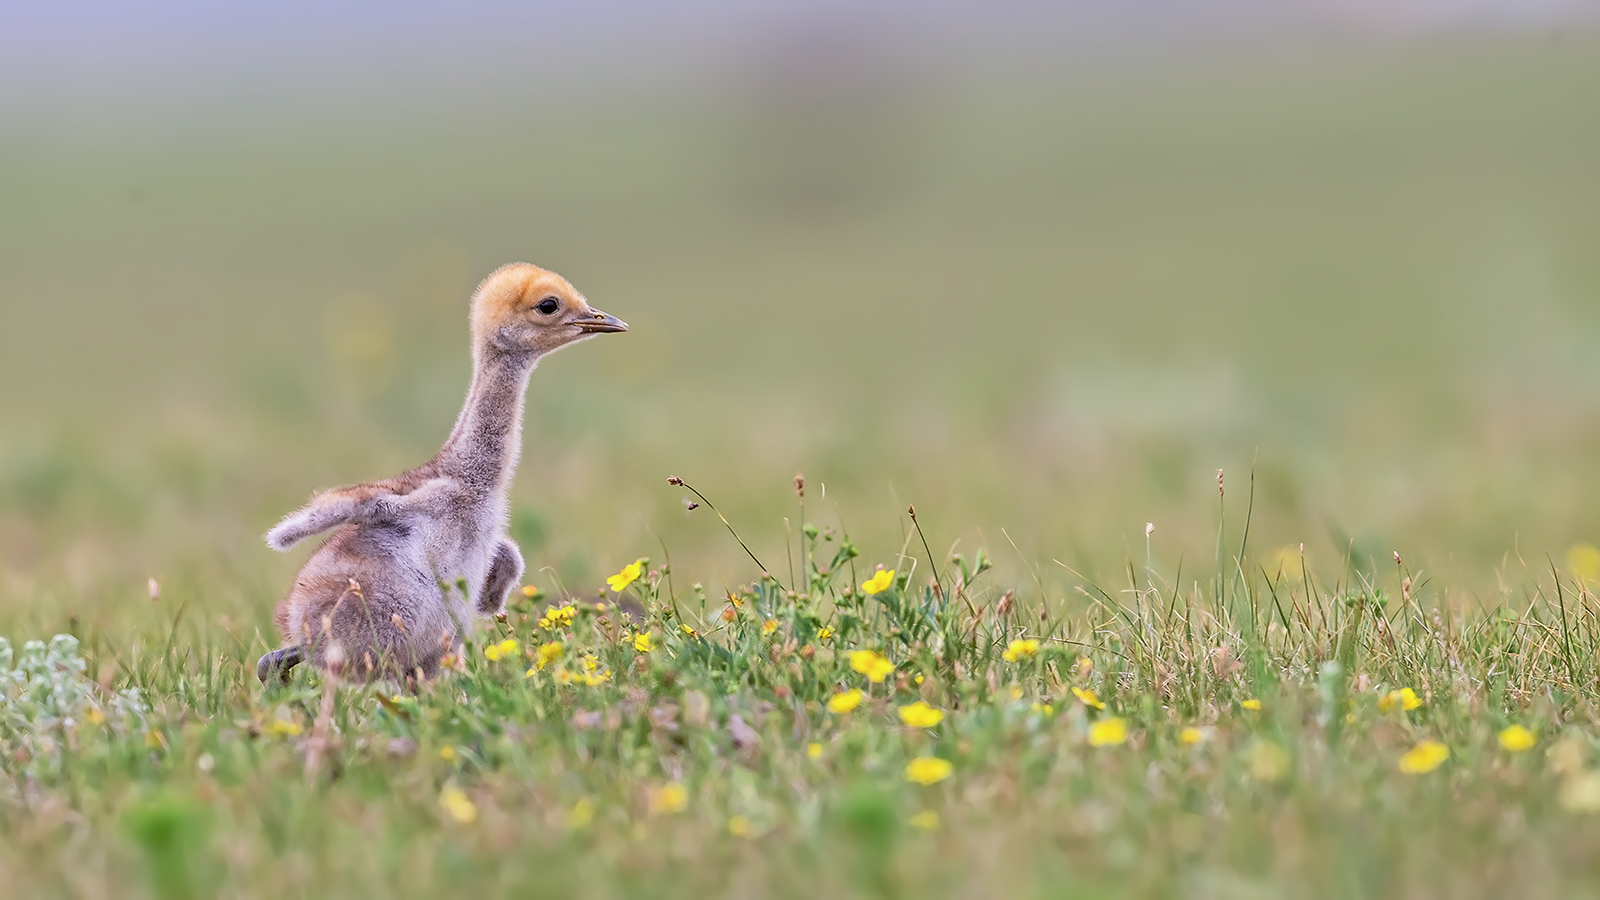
<point>1247,407</point>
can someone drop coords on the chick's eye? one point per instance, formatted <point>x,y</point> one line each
<point>548,305</point>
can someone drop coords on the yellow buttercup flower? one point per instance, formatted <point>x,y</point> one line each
<point>814,750</point>
<point>447,753</point>
<point>870,664</point>
<point>1191,736</point>
<point>844,701</point>
<point>1042,709</point>
<point>558,617</point>
<point>93,716</point>
<point>1020,649</point>
<point>283,728</point>
<point>547,654</point>
<point>530,591</point>
<point>457,805</point>
<point>1424,757</point>
<point>1088,698</point>
<point>1108,732</point>
<point>878,583</point>
<point>1405,698</point>
<point>669,799</point>
<point>926,770</point>
<point>1252,704</point>
<point>503,650</point>
<point>1583,561</point>
<point>641,642</point>
<point>1517,739</point>
<point>769,626</point>
<point>921,715</point>
<point>825,634</point>
<point>927,820</point>
<point>738,826</point>
<point>628,575</point>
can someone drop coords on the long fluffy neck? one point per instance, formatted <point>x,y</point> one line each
<point>484,446</point>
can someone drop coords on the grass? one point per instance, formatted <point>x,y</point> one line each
<point>1360,281</point>
<point>1243,733</point>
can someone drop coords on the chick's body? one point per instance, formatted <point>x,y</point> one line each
<point>414,558</point>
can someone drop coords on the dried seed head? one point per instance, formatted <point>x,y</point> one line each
<point>1397,557</point>
<point>1219,483</point>
<point>1007,600</point>
<point>911,511</point>
<point>690,504</point>
<point>675,481</point>
<point>155,589</point>
<point>395,618</point>
<point>800,484</point>
<point>1149,528</point>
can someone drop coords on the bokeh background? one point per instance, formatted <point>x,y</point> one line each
<point>1040,269</point>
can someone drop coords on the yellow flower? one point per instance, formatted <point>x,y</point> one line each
<point>1191,736</point>
<point>641,642</point>
<point>558,617</point>
<point>738,826</point>
<point>530,591</point>
<point>1020,649</point>
<point>1088,698</point>
<point>1014,692</point>
<point>1424,757</point>
<point>927,820</point>
<point>844,701</point>
<point>1405,698</point>
<point>1252,704</point>
<point>1042,709</point>
<point>769,626</point>
<point>1268,762</point>
<point>283,728</point>
<point>814,750</point>
<point>503,650</point>
<point>1517,739</point>
<point>878,583</point>
<point>1108,732</point>
<point>668,799</point>
<point>458,806</point>
<point>926,770</point>
<point>93,716</point>
<point>547,654</point>
<point>447,753</point>
<point>1085,666</point>
<point>582,813</point>
<point>684,627</point>
<point>921,715</point>
<point>628,575</point>
<point>870,664</point>
<point>825,635</point>
<point>1583,561</point>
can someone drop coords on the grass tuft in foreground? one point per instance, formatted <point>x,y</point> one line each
<point>862,725</point>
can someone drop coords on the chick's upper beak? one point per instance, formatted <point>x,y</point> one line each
<point>598,322</point>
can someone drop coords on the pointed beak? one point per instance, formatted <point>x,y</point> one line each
<point>598,322</point>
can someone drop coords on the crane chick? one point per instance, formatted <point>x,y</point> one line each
<point>413,558</point>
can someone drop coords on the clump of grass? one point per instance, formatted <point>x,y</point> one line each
<point>878,725</point>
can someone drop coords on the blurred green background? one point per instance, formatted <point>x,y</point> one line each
<point>1043,295</point>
